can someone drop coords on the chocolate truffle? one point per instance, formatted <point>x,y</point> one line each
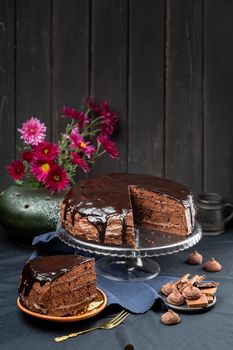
<point>191,293</point>
<point>168,288</point>
<point>170,317</point>
<point>176,298</point>
<point>212,265</point>
<point>194,258</point>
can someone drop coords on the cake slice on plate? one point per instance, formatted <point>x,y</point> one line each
<point>61,285</point>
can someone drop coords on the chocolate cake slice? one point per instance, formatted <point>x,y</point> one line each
<point>61,285</point>
<point>105,209</point>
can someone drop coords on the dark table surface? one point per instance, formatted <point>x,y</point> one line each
<point>209,330</point>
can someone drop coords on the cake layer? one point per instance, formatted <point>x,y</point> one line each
<point>71,310</point>
<point>75,295</point>
<point>40,299</point>
<point>58,285</point>
<point>164,213</point>
<point>64,286</point>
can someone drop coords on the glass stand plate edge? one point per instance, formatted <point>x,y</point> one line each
<point>163,244</point>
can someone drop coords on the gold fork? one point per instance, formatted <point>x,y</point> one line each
<point>108,325</point>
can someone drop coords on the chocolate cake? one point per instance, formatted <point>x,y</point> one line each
<point>60,285</point>
<point>106,209</point>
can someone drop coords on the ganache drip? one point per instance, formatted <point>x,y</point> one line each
<point>96,216</point>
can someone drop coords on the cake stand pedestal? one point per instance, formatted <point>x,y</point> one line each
<point>127,269</point>
<point>127,264</point>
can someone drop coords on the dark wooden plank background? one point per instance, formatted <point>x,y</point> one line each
<point>184,92</point>
<point>146,87</point>
<point>165,66</point>
<point>32,61</point>
<point>7,86</point>
<point>218,97</point>
<point>109,33</point>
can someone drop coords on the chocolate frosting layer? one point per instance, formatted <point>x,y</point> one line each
<point>99,197</point>
<point>45,269</point>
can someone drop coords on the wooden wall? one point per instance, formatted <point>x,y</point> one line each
<point>165,66</point>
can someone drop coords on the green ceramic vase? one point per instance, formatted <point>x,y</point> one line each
<point>27,211</point>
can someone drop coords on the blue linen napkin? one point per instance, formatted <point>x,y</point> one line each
<point>136,297</point>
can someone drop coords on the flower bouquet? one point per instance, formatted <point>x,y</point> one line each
<point>54,166</point>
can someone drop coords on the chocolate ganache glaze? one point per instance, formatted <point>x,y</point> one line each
<point>99,199</point>
<point>46,269</point>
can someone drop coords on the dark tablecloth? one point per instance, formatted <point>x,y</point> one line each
<point>209,330</point>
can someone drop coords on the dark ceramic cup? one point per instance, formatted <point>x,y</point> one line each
<point>211,213</point>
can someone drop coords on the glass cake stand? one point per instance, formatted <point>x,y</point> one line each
<point>127,264</point>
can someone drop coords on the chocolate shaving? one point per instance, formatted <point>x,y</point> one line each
<point>182,280</point>
<point>190,282</point>
<point>207,285</point>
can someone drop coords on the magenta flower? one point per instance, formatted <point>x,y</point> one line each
<point>92,106</point>
<point>78,142</point>
<point>46,151</point>
<point>57,179</point>
<point>76,159</point>
<point>108,145</point>
<point>81,117</point>
<point>33,131</point>
<point>27,156</point>
<point>109,119</point>
<point>40,169</point>
<point>16,169</point>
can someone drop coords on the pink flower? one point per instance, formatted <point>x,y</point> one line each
<point>92,106</point>
<point>57,179</point>
<point>16,169</point>
<point>81,117</point>
<point>77,141</point>
<point>108,145</point>
<point>46,151</point>
<point>40,169</point>
<point>33,131</point>
<point>109,119</point>
<point>27,156</point>
<point>76,159</point>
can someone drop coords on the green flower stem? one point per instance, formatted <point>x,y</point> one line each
<point>90,133</point>
<point>94,121</point>
<point>100,154</point>
<point>89,128</point>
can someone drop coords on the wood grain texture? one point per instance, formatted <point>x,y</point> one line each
<point>70,60</point>
<point>218,90</point>
<point>109,71</point>
<point>7,93</point>
<point>33,88</point>
<point>166,67</point>
<point>184,92</point>
<point>146,87</point>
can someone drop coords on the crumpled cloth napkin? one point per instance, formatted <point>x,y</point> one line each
<point>137,297</point>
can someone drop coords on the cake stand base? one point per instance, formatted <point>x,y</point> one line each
<point>134,269</point>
